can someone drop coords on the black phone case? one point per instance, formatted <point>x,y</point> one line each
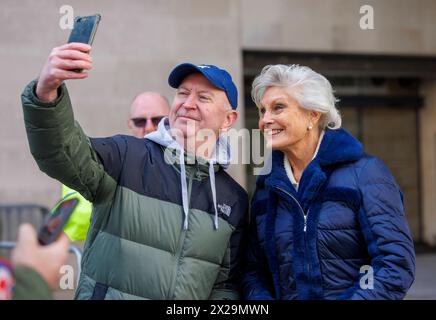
<point>55,222</point>
<point>84,29</point>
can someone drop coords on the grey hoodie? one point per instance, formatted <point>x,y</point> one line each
<point>221,156</point>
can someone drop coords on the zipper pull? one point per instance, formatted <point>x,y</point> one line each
<point>305,223</point>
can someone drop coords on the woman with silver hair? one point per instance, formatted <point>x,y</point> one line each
<point>328,221</point>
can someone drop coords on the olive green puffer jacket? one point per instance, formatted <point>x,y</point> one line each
<point>137,246</point>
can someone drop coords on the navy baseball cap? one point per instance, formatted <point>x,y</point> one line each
<point>218,77</point>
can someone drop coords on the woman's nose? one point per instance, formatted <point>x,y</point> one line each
<point>266,118</point>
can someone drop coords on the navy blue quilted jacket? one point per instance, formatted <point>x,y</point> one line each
<point>343,235</point>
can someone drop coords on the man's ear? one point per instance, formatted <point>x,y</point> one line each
<point>230,120</point>
<point>130,124</point>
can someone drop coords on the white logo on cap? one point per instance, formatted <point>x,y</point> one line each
<point>203,66</point>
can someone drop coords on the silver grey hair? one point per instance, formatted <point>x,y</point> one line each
<point>311,90</point>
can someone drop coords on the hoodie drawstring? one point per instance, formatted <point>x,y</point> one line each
<point>213,188</point>
<point>163,137</point>
<point>185,199</point>
<point>184,189</point>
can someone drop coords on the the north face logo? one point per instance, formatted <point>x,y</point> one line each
<point>225,209</point>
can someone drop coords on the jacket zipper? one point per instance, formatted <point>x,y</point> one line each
<point>305,215</point>
<point>301,208</point>
<point>178,253</point>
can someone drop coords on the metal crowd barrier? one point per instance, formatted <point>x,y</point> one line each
<point>12,215</point>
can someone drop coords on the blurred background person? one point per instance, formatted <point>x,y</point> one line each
<point>146,111</point>
<point>34,270</point>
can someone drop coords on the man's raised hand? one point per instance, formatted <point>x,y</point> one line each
<point>59,67</point>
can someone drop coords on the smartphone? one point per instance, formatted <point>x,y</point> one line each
<point>84,30</point>
<point>55,222</point>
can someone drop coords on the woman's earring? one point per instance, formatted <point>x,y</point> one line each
<point>310,127</point>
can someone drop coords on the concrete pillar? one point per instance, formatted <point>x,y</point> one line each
<point>428,162</point>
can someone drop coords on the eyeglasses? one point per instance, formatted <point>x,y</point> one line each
<point>141,122</point>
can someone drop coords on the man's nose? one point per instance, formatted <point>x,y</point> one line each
<point>149,126</point>
<point>190,102</point>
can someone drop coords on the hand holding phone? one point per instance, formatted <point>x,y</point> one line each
<point>84,30</point>
<point>45,260</point>
<point>69,60</point>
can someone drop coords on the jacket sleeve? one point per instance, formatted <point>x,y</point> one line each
<point>227,285</point>
<point>60,147</point>
<point>255,274</point>
<point>387,235</point>
<point>29,285</point>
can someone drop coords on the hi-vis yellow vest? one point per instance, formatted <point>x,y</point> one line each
<point>78,224</point>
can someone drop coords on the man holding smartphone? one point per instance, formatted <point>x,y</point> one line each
<point>166,225</point>
<point>146,111</point>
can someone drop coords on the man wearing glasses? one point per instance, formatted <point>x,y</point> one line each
<point>147,109</point>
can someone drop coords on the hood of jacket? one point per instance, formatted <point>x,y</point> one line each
<point>220,157</point>
<point>337,146</point>
<point>163,137</point>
